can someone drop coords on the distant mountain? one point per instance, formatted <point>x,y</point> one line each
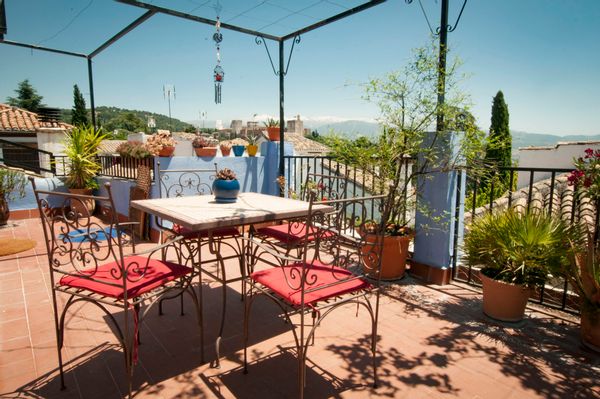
<point>524,139</point>
<point>350,128</point>
<point>353,129</point>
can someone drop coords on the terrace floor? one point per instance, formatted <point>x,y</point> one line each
<point>434,342</point>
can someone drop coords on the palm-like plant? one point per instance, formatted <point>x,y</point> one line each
<point>518,248</point>
<point>81,147</point>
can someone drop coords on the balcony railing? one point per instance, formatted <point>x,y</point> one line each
<point>532,188</point>
<point>123,167</point>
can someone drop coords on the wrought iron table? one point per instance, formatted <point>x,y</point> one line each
<point>204,214</point>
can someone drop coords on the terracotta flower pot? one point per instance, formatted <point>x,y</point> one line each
<point>503,301</point>
<point>206,152</point>
<point>252,150</point>
<point>273,133</point>
<point>82,207</point>
<point>166,152</point>
<point>4,211</point>
<point>590,330</point>
<point>225,151</point>
<point>394,255</point>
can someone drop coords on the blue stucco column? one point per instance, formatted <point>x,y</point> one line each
<point>270,150</point>
<point>435,219</point>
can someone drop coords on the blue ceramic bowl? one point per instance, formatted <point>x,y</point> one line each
<point>238,150</point>
<point>226,190</point>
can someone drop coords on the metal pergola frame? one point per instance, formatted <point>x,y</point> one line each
<point>152,10</point>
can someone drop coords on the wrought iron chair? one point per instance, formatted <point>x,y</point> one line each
<point>290,235</point>
<point>91,261</point>
<point>340,265</point>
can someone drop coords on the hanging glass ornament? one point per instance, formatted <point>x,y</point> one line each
<point>219,74</point>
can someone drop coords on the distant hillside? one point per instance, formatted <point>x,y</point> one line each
<point>350,129</point>
<point>112,118</point>
<point>524,139</point>
<point>353,129</point>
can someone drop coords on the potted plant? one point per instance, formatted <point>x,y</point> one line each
<point>225,147</point>
<point>226,187</point>
<point>204,147</point>
<point>272,129</point>
<point>583,273</point>
<point>516,251</point>
<point>252,148</point>
<point>81,149</point>
<point>133,149</point>
<point>12,186</point>
<point>407,151</point>
<point>161,144</point>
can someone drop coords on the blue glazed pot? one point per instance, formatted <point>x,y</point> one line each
<point>238,150</point>
<point>226,190</point>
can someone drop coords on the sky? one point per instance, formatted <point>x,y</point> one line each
<point>543,54</point>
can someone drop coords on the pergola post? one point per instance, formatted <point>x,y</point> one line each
<point>281,111</point>
<point>91,84</point>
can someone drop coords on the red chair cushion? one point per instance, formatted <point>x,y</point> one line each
<point>290,234</point>
<point>156,274</point>
<point>223,232</point>
<point>275,279</point>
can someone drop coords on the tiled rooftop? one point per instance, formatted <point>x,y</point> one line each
<point>14,119</point>
<point>434,342</point>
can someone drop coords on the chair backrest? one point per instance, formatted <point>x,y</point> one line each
<point>340,246</point>
<point>77,242</point>
<point>185,182</point>
<point>326,186</point>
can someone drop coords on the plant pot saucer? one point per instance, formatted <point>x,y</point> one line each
<point>225,200</point>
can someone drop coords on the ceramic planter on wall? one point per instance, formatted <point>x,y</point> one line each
<point>225,151</point>
<point>503,301</point>
<point>206,152</point>
<point>166,152</point>
<point>226,190</point>
<point>252,150</point>
<point>238,150</point>
<point>274,133</point>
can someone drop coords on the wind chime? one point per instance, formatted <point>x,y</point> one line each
<point>219,74</point>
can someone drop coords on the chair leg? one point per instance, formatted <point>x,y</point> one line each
<point>136,308</point>
<point>374,353</point>
<point>59,344</point>
<point>181,304</point>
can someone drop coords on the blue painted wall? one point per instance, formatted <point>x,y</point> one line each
<point>28,202</point>
<point>434,240</point>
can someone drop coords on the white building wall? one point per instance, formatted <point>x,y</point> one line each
<point>558,157</point>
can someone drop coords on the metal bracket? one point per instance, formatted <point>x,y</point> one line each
<point>450,28</point>
<point>261,40</point>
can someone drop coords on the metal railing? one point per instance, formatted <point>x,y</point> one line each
<point>25,157</point>
<point>360,181</point>
<point>124,167</point>
<point>530,188</point>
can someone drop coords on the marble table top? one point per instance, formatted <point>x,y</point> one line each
<point>202,212</point>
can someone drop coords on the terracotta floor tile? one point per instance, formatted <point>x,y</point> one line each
<point>434,343</point>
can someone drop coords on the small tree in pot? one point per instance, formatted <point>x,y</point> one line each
<point>81,148</point>
<point>516,251</point>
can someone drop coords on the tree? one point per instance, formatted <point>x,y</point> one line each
<point>127,121</point>
<point>27,97</point>
<point>498,151</point>
<point>79,114</point>
<point>408,106</point>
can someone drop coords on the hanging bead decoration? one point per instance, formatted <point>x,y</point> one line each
<point>219,74</point>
